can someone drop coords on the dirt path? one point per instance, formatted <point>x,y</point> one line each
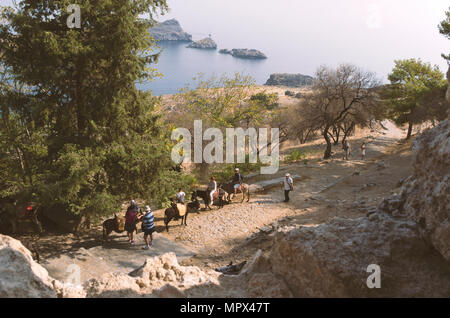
<point>326,189</point>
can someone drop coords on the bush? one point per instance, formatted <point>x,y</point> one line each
<point>225,172</point>
<point>295,155</point>
<point>289,93</point>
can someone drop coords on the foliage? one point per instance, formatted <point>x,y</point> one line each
<point>295,155</point>
<point>444,28</point>
<point>225,172</point>
<point>411,80</point>
<point>75,129</point>
<point>341,97</point>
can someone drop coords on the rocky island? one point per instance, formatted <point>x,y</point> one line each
<point>206,43</point>
<point>170,30</point>
<point>289,80</point>
<point>244,53</point>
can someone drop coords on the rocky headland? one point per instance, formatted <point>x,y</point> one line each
<point>170,30</point>
<point>289,80</point>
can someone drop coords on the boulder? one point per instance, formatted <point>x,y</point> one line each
<point>408,237</point>
<point>426,196</point>
<point>289,80</point>
<point>20,275</point>
<point>169,30</point>
<point>333,259</point>
<point>266,285</point>
<point>206,43</point>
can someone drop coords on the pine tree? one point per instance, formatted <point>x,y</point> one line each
<point>103,142</point>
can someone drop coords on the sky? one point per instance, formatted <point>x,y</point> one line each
<point>368,33</point>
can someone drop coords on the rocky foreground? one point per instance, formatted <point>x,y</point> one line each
<point>407,237</point>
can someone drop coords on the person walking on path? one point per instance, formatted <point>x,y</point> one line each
<point>347,150</point>
<point>148,227</point>
<point>288,186</point>
<point>130,220</point>
<point>363,151</point>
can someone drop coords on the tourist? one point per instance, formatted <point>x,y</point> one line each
<point>180,197</point>
<point>347,149</point>
<point>288,186</point>
<point>212,188</point>
<point>237,181</point>
<point>148,227</point>
<point>363,151</point>
<point>130,220</point>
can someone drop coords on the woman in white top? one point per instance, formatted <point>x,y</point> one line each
<point>212,187</point>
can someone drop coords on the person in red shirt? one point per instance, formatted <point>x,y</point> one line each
<point>130,221</point>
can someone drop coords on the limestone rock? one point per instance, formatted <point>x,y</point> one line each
<point>248,54</point>
<point>169,30</point>
<point>331,260</point>
<point>266,285</point>
<point>170,291</point>
<point>206,43</point>
<point>289,80</point>
<point>426,195</point>
<point>112,285</point>
<point>20,275</point>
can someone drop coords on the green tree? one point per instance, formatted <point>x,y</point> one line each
<point>411,80</point>
<point>344,96</point>
<point>100,140</point>
<point>444,28</point>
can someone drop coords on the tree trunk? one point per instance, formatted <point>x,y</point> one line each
<point>327,154</point>
<point>410,127</point>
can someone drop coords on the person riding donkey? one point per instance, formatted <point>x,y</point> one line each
<point>180,197</point>
<point>212,188</point>
<point>237,181</point>
<point>179,202</point>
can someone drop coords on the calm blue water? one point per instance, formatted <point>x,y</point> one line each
<point>300,35</point>
<point>179,65</point>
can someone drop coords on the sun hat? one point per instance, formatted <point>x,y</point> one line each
<point>147,209</point>
<point>133,202</point>
<point>288,174</point>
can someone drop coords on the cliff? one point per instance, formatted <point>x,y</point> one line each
<point>169,30</point>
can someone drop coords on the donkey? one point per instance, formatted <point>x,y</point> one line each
<point>204,194</point>
<point>173,212</point>
<point>117,224</point>
<point>229,188</point>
